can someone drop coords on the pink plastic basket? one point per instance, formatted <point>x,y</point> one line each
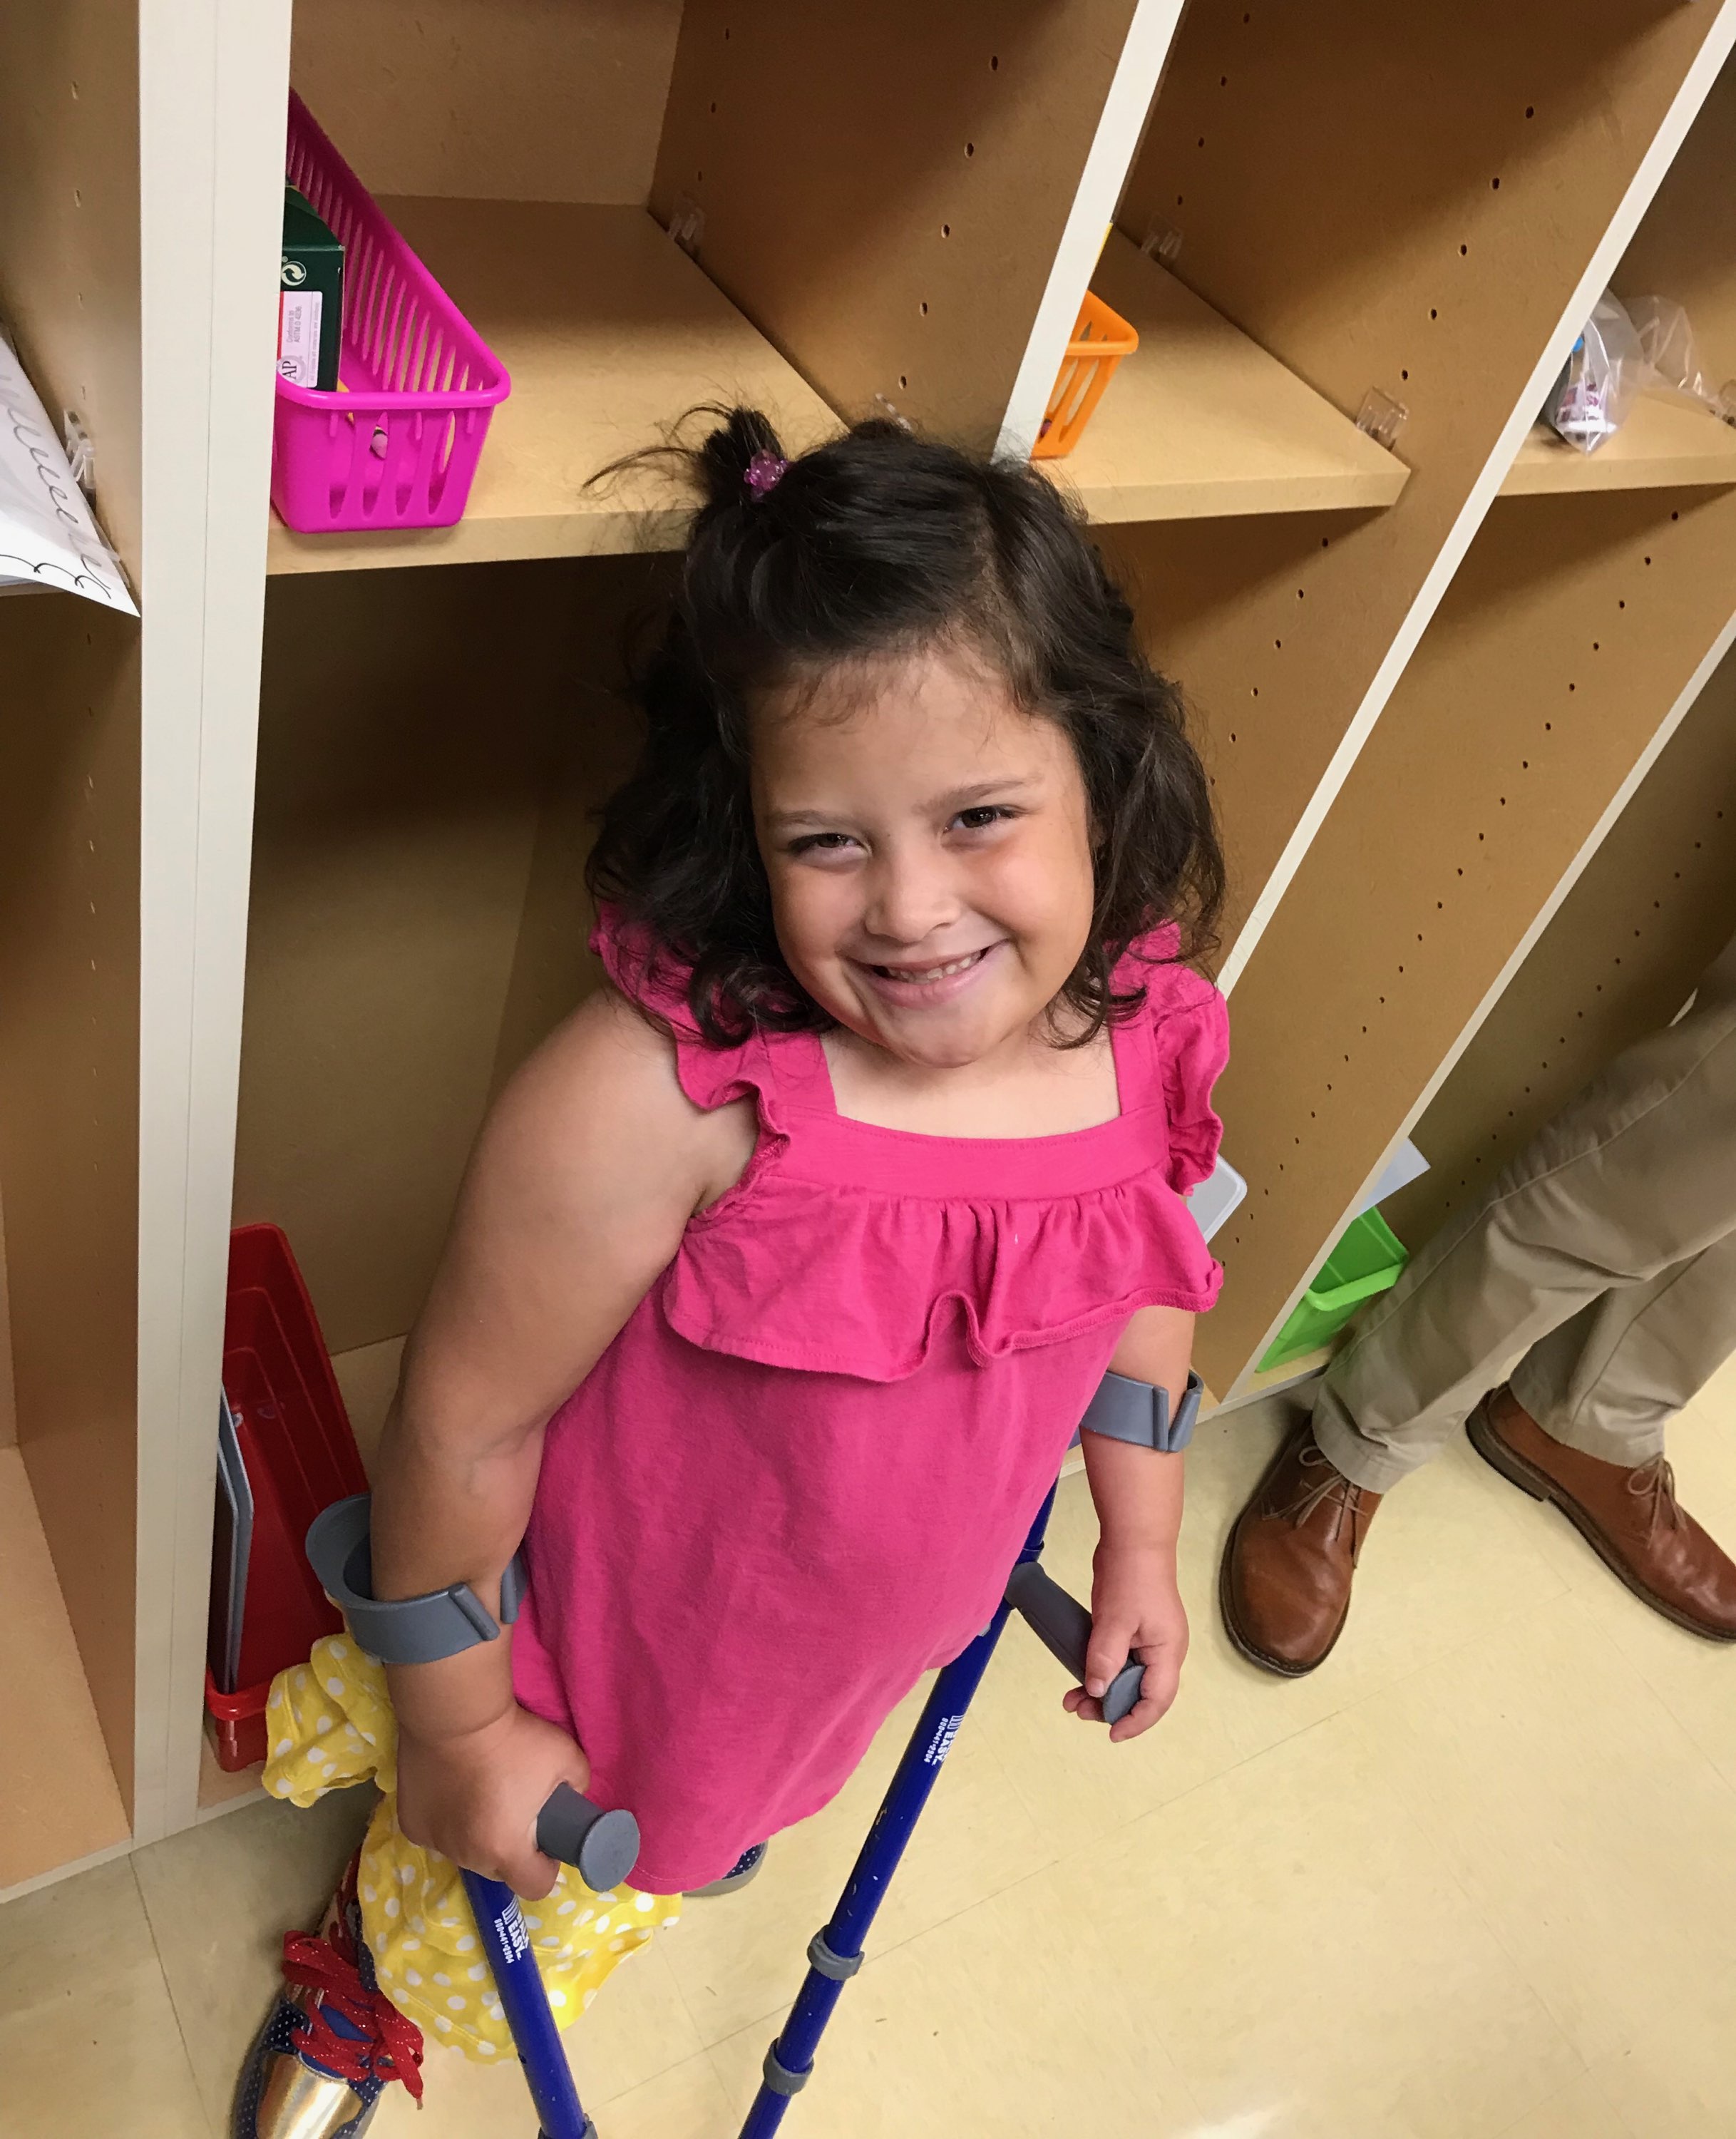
<point>397,445</point>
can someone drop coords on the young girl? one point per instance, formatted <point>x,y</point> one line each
<point>785,1271</point>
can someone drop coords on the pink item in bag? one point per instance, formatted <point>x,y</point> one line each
<point>398,444</point>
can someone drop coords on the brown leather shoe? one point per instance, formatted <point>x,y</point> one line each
<point>1631,1518</point>
<point>1284,1586</point>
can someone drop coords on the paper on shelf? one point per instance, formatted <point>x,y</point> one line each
<point>1406,1164</point>
<point>47,537</point>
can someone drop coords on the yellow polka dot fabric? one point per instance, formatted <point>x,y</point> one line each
<point>329,1723</point>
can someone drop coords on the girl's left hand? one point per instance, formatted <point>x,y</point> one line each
<point>1135,1606</point>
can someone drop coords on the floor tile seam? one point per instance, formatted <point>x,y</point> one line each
<point>1665,1706</point>
<point>1537,1606</point>
<point>175,2003</point>
<point>1597,2088</point>
<point>1541,1992</point>
<point>1448,1855</point>
<point>1661,1693</point>
<point>1178,2075</point>
<point>1443,1857</point>
<point>1357,1701</point>
<point>603,2101</point>
<point>595,2100</point>
<point>779,2012</point>
<point>1119,1825</point>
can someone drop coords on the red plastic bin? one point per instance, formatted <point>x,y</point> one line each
<point>301,1456</point>
<point>397,444</point>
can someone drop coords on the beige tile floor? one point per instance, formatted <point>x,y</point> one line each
<point>1476,1879</point>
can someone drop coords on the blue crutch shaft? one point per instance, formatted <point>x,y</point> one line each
<point>602,1847</point>
<point>836,1953</point>
<point>507,1946</point>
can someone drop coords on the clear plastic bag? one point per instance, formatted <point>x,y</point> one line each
<point>1605,370</point>
<point>1668,347</point>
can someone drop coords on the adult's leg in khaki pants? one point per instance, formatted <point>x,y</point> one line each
<point>1602,1246</point>
<point>1609,1381</point>
<point>1636,1176</point>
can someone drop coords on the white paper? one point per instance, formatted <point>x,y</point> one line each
<point>1406,1164</point>
<point>47,537</point>
<point>1213,1200</point>
<point>298,335</point>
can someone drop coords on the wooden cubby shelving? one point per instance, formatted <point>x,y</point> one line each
<point>290,872</point>
<point>1577,633</point>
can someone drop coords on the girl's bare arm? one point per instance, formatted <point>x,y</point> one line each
<point>580,1186</point>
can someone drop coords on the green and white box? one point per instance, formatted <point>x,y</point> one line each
<point>310,298</point>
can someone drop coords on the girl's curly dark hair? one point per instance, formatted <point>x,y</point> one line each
<point>881,542</point>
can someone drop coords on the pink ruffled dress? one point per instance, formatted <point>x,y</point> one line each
<point>798,1477</point>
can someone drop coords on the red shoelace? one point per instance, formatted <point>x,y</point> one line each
<point>390,2046</point>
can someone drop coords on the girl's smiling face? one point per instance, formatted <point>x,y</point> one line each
<point>928,847</point>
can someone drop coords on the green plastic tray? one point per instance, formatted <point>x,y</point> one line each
<point>1366,1260</point>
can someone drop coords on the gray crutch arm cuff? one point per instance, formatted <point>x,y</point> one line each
<point>1124,1410</point>
<point>411,1630</point>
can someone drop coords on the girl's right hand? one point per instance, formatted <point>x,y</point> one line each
<point>475,1798</point>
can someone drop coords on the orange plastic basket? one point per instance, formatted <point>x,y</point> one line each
<point>1100,340</point>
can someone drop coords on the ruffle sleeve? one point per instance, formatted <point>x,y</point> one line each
<point>1191,1038</point>
<point>657,984</point>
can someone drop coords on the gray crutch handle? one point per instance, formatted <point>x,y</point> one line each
<point>1064,1627</point>
<point>602,1847</point>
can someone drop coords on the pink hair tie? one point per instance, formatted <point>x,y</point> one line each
<point>764,473</point>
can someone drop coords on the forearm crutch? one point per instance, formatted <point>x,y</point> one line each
<point>602,1846</point>
<point>835,1953</point>
<point>571,1830</point>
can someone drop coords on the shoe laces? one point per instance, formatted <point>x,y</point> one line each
<point>385,2046</point>
<point>1655,1482</point>
<point>1334,1486</point>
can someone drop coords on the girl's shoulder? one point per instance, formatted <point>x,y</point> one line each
<point>655,983</point>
